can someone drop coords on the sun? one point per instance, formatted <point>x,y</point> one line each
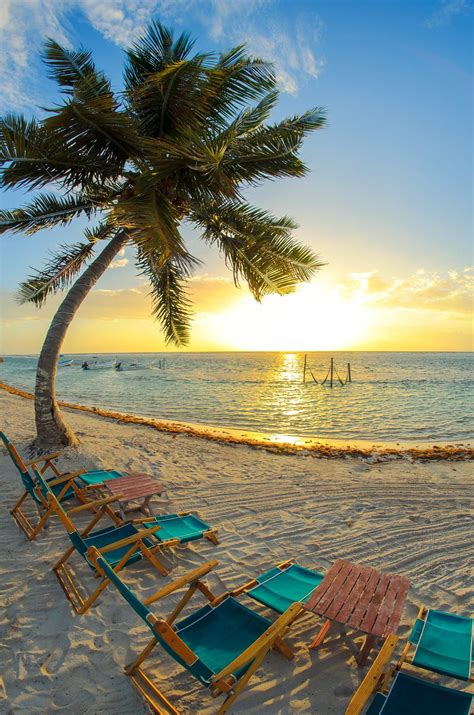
<point>315,317</point>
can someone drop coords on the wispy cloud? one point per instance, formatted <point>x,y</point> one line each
<point>451,292</point>
<point>446,10</point>
<point>119,263</point>
<point>25,23</point>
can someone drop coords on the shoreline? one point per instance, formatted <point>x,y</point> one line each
<point>284,444</point>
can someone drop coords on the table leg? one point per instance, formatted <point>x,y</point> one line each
<point>147,506</point>
<point>365,650</point>
<point>321,635</point>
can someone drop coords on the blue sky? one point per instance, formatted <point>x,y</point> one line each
<point>390,188</point>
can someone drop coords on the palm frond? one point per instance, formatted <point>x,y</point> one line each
<point>32,157</point>
<point>257,247</point>
<point>45,211</point>
<point>57,274</point>
<point>70,67</point>
<point>171,304</point>
<point>152,221</point>
<point>238,79</point>
<point>152,52</point>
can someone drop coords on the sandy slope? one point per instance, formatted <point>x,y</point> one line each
<point>400,516</point>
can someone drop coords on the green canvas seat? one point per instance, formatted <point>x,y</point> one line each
<point>184,527</point>
<point>219,634</point>
<point>96,477</point>
<point>413,696</point>
<point>107,537</point>
<point>221,644</point>
<point>444,643</point>
<point>279,587</point>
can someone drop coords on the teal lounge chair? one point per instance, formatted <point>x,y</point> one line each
<point>120,544</point>
<point>221,644</point>
<point>181,528</point>
<point>443,643</point>
<point>413,696</point>
<point>282,586</point>
<point>64,488</point>
<point>406,694</point>
<point>85,478</point>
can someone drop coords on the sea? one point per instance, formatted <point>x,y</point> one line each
<point>394,397</point>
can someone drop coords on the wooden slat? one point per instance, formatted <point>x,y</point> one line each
<point>368,621</point>
<point>360,608</point>
<point>356,594</point>
<point>342,592</point>
<point>333,594</point>
<point>394,617</point>
<point>324,586</point>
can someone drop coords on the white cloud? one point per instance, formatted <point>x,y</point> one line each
<point>119,263</point>
<point>447,10</point>
<point>24,24</point>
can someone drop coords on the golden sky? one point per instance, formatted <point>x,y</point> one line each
<point>360,311</point>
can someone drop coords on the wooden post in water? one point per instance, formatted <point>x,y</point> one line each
<point>349,376</point>
<point>304,368</point>
<point>332,372</point>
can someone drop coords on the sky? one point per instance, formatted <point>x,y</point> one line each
<point>387,204</point>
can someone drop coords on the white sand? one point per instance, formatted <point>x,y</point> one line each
<point>411,518</point>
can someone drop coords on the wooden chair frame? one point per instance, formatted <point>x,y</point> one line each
<point>377,678</point>
<point>223,682</point>
<point>405,656</point>
<point>30,529</point>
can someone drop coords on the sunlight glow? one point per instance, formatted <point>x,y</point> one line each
<point>313,318</point>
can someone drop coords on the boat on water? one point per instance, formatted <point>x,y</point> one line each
<point>125,367</point>
<point>65,363</point>
<point>96,365</point>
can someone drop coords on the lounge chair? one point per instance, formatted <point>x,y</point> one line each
<point>281,586</point>
<point>221,644</point>
<point>63,487</point>
<point>121,543</point>
<point>407,694</point>
<point>83,478</point>
<point>443,643</point>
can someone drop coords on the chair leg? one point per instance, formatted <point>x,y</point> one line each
<point>232,697</point>
<point>283,648</point>
<point>321,635</point>
<point>151,556</point>
<point>212,536</point>
<point>145,686</point>
<point>30,530</point>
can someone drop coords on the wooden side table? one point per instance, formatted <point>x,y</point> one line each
<point>135,487</point>
<point>360,598</point>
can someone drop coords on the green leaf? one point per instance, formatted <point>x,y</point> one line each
<point>57,274</point>
<point>46,211</point>
<point>70,67</point>
<point>171,304</point>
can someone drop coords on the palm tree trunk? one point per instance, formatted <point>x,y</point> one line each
<point>51,428</point>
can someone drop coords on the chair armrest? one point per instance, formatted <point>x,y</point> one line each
<point>190,577</point>
<point>129,540</point>
<point>263,643</point>
<point>44,458</point>
<point>92,504</point>
<point>372,679</point>
<point>64,478</point>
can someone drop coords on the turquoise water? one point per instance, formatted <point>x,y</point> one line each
<point>425,397</point>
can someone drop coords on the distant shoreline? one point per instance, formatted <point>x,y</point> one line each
<point>284,444</point>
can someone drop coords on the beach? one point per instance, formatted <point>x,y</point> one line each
<point>406,516</point>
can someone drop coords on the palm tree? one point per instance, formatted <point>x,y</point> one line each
<point>184,138</point>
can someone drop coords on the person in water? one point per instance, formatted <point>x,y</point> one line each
<point>85,365</point>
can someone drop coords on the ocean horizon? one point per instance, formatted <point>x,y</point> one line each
<point>394,397</point>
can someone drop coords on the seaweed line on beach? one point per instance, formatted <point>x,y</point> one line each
<point>453,453</point>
